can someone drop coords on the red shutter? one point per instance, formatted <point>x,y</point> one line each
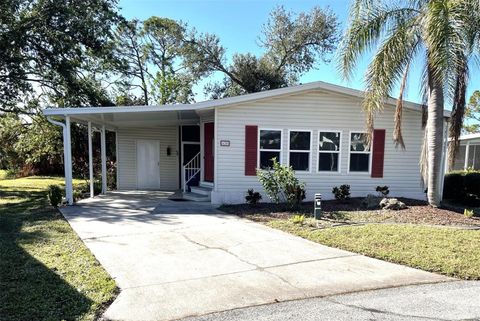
<point>251,137</point>
<point>378,152</point>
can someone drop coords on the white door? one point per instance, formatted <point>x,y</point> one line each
<point>148,164</point>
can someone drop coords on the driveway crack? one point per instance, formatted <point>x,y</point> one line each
<point>221,249</point>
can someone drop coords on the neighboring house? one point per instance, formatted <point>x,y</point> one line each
<point>468,154</point>
<point>317,128</point>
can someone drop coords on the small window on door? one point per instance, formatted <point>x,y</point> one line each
<point>299,150</point>
<point>190,133</point>
<point>270,143</point>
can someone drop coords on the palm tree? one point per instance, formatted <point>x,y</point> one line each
<point>443,36</point>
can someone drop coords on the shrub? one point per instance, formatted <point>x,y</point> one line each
<point>454,186</point>
<point>280,184</point>
<point>462,186</point>
<point>77,195</point>
<point>298,219</point>
<point>295,194</point>
<point>54,195</point>
<point>97,187</point>
<point>468,213</point>
<point>342,193</point>
<point>253,198</point>
<point>382,190</point>
<point>472,183</point>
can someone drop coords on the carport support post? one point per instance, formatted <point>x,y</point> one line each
<point>104,160</point>
<point>68,162</point>
<point>90,158</point>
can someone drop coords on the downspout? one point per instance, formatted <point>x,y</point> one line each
<point>67,162</point>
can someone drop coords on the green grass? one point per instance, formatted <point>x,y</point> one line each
<point>449,251</point>
<point>46,272</point>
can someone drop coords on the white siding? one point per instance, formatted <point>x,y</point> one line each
<point>315,111</point>
<point>127,167</point>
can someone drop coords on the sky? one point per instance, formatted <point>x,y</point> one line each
<point>238,23</point>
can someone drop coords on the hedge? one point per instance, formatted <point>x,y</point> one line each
<point>462,185</point>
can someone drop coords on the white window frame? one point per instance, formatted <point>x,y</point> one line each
<point>309,151</point>
<point>339,169</point>
<point>280,151</point>
<point>350,152</point>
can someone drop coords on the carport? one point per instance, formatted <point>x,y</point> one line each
<point>112,119</point>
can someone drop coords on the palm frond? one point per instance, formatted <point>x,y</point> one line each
<point>370,20</point>
<point>458,112</point>
<point>424,161</point>
<point>445,25</point>
<point>397,131</point>
<point>388,66</point>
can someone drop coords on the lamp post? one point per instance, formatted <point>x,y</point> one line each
<point>317,204</point>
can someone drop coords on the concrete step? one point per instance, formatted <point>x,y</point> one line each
<point>206,184</point>
<point>201,190</point>
<point>196,197</point>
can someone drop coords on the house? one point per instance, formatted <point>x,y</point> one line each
<point>317,128</point>
<point>468,154</point>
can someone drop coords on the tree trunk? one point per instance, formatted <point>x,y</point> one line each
<point>434,139</point>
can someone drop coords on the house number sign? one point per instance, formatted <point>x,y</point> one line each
<point>225,143</point>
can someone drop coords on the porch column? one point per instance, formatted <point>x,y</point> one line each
<point>104,160</point>
<point>68,162</point>
<point>465,166</point>
<point>90,158</point>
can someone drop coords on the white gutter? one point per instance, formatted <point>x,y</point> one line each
<point>67,157</point>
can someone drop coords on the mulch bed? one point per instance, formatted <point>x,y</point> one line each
<point>418,212</point>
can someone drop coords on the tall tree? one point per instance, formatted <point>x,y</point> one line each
<point>132,58</point>
<point>472,114</point>
<point>443,33</point>
<point>152,58</point>
<point>44,44</point>
<point>293,44</point>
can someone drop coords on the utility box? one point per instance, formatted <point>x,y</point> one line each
<point>317,205</point>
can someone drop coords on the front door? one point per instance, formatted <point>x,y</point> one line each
<point>148,164</point>
<point>208,146</point>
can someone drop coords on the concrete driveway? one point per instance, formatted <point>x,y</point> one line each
<point>178,259</point>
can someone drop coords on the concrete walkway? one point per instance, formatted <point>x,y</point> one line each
<point>177,259</point>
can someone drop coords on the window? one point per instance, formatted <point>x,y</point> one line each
<point>329,144</point>
<point>359,153</point>
<point>270,147</point>
<point>473,156</point>
<point>299,150</point>
<point>460,158</point>
<point>190,133</point>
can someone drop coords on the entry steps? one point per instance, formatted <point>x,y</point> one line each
<point>199,193</point>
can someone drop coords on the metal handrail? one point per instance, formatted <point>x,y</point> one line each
<point>190,170</point>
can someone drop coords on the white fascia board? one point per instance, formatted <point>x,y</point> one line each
<point>209,104</point>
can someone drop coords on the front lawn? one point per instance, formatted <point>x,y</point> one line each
<point>430,239</point>
<point>443,250</point>
<point>46,272</point>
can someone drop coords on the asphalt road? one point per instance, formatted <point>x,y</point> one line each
<point>457,300</point>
